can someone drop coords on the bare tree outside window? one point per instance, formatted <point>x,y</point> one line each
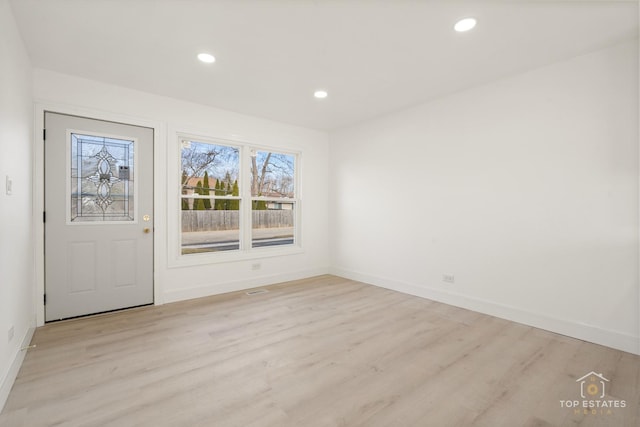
<point>218,160</point>
<point>272,174</point>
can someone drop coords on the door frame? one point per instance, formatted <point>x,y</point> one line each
<point>38,190</point>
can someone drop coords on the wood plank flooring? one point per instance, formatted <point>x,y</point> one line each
<point>324,351</point>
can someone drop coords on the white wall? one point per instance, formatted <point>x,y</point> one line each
<point>526,190</point>
<point>180,280</point>
<point>16,248</point>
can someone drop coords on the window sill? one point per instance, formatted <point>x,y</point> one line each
<point>194,260</point>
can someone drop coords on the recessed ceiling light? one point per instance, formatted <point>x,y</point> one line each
<point>465,24</point>
<point>206,58</point>
<point>320,94</point>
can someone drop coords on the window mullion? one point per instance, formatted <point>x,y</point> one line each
<point>245,204</point>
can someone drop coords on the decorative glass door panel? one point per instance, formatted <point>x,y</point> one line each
<point>102,185</point>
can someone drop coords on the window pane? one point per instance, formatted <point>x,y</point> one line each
<point>210,197</point>
<point>272,223</point>
<point>102,179</point>
<point>210,230</point>
<point>272,174</point>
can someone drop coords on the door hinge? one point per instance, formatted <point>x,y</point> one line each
<point>45,299</point>
<point>44,216</point>
<point>44,134</point>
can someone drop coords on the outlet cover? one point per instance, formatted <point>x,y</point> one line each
<point>448,278</point>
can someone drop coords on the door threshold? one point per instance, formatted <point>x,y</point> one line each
<point>100,313</point>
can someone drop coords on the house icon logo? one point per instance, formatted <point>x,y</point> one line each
<point>592,385</point>
<point>593,389</point>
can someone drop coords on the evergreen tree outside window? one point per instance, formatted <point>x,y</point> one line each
<point>205,190</point>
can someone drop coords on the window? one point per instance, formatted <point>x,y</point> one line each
<point>235,198</point>
<point>210,197</point>
<point>272,198</point>
<point>102,179</point>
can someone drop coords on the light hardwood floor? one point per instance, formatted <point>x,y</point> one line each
<point>324,351</point>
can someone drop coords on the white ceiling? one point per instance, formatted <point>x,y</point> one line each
<point>372,56</point>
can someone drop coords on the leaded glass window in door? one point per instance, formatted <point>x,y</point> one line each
<point>102,179</point>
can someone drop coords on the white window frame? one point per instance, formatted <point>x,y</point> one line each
<point>246,251</point>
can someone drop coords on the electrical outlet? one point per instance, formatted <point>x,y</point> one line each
<point>256,266</point>
<point>10,334</point>
<point>448,278</point>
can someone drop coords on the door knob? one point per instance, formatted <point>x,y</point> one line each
<point>146,230</point>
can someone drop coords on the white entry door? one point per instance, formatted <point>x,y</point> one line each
<point>98,216</point>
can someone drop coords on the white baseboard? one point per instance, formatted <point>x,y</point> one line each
<point>590,333</point>
<point>206,290</point>
<point>9,379</point>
